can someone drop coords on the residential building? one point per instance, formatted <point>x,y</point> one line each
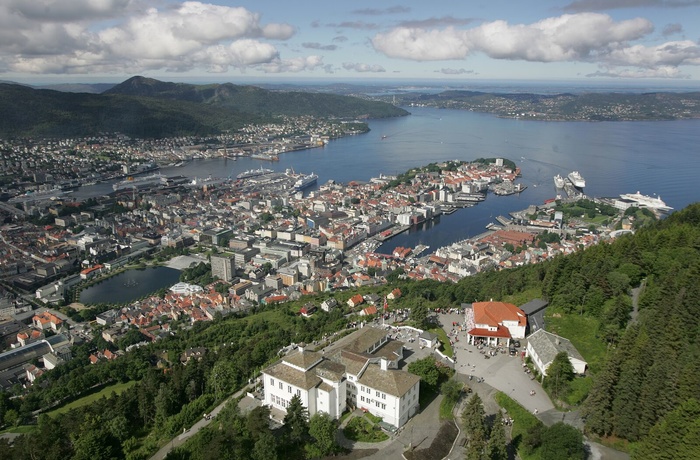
<point>360,370</point>
<point>543,346</point>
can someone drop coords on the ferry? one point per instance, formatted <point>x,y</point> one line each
<point>254,173</point>
<point>577,179</point>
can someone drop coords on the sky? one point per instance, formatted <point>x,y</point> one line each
<point>339,40</point>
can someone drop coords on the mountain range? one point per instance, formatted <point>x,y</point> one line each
<point>145,107</point>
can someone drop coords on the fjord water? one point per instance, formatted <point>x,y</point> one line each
<point>654,157</point>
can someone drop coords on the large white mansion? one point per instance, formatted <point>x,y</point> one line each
<point>360,370</point>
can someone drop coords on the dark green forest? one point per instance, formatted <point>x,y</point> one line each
<point>645,391</point>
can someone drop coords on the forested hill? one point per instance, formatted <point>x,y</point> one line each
<point>650,387</point>
<point>252,99</point>
<point>567,106</point>
<point>149,108</point>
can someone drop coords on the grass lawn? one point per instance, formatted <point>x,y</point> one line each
<point>523,297</point>
<point>581,330</point>
<point>442,336</point>
<point>118,388</point>
<point>447,409</point>
<point>580,386</point>
<point>361,429</point>
<point>522,420</point>
<point>19,429</point>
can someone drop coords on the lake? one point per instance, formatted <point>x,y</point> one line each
<point>130,285</point>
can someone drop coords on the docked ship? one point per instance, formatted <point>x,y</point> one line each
<point>305,181</point>
<point>577,179</point>
<point>132,182</point>
<point>558,181</point>
<point>254,173</point>
<point>647,201</point>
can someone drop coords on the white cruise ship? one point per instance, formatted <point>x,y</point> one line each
<point>577,179</point>
<point>558,181</point>
<point>305,181</point>
<point>647,201</point>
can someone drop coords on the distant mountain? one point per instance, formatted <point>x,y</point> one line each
<point>143,107</point>
<point>252,99</point>
<point>566,106</point>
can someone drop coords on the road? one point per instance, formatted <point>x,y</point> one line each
<point>194,429</point>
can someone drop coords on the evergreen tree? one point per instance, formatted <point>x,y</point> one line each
<point>559,374</point>
<point>562,442</point>
<point>474,420</point>
<point>675,436</point>
<point>322,429</point>
<point>296,421</point>
<point>496,448</point>
<point>265,447</point>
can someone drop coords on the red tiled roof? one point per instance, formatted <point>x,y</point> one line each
<point>500,332</point>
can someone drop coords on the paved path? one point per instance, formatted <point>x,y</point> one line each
<point>194,429</point>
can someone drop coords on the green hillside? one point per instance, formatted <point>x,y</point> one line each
<point>149,108</point>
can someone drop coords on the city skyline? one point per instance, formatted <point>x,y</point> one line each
<point>111,40</point>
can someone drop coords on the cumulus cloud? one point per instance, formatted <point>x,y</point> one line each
<point>601,5</point>
<point>357,67</point>
<point>292,65</point>
<point>183,37</point>
<point>318,46</point>
<point>460,71</point>
<point>582,37</point>
<point>375,11</point>
<point>672,29</point>
<point>73,10</point>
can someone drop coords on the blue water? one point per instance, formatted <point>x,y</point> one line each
<point>130,285</point>
<point>614,157</point>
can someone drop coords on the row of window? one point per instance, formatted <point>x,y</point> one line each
<point>368,390</point>
<point>281,386</point>
<point>380,405</point>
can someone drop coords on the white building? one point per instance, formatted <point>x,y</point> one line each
<point>495,322</point>
<point>543,346</point>
<point>360,370</point>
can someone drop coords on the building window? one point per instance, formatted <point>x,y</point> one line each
<point>383,395</point>
<point>289,388</point>
<point>281,386</point>
<point>362,388</point>
<point>299,393</point>
<point>383,406</point>
<point>272,381</point>
<point>377,393</point>
<point>362,398</point>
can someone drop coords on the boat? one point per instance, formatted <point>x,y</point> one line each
<point>558,181</point>
<point>577,179</point>
<point>132,182</point>
<point>254,173</point>
<point>265,156</point>
<point>305,181</point>
<point>647,201</point>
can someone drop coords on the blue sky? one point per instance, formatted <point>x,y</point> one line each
<point>587,40</point>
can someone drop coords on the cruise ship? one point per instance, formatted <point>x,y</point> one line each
<point>576,179</point>
<point>305,181</point>
<point>647,201</point>
<point>558,181</point>
<point>254,173</point>
<point>140,182</point>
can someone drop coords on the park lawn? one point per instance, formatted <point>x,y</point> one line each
<point>581,330</point>
<point>442,336</point>
<point>106,392</point>
<point>520,298</point>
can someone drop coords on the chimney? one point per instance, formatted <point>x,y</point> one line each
<point>302,345</point>
<point>384,364</point>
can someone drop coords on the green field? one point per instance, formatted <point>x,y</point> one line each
<point>106,392</point>
<point>581,330</point>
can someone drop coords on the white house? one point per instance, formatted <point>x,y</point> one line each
<point>543,346</point>
<point>360,370</point>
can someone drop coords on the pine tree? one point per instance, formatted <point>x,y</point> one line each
<point>496,448</point>
<point>474,419</point>
<point>296,421</point>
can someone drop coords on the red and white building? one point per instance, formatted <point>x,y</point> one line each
<point>495,323</point>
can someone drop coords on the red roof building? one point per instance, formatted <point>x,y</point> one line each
<point>495,323</point>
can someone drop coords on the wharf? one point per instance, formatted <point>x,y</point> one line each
<point>387,234</point>
<point>504,220</point>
